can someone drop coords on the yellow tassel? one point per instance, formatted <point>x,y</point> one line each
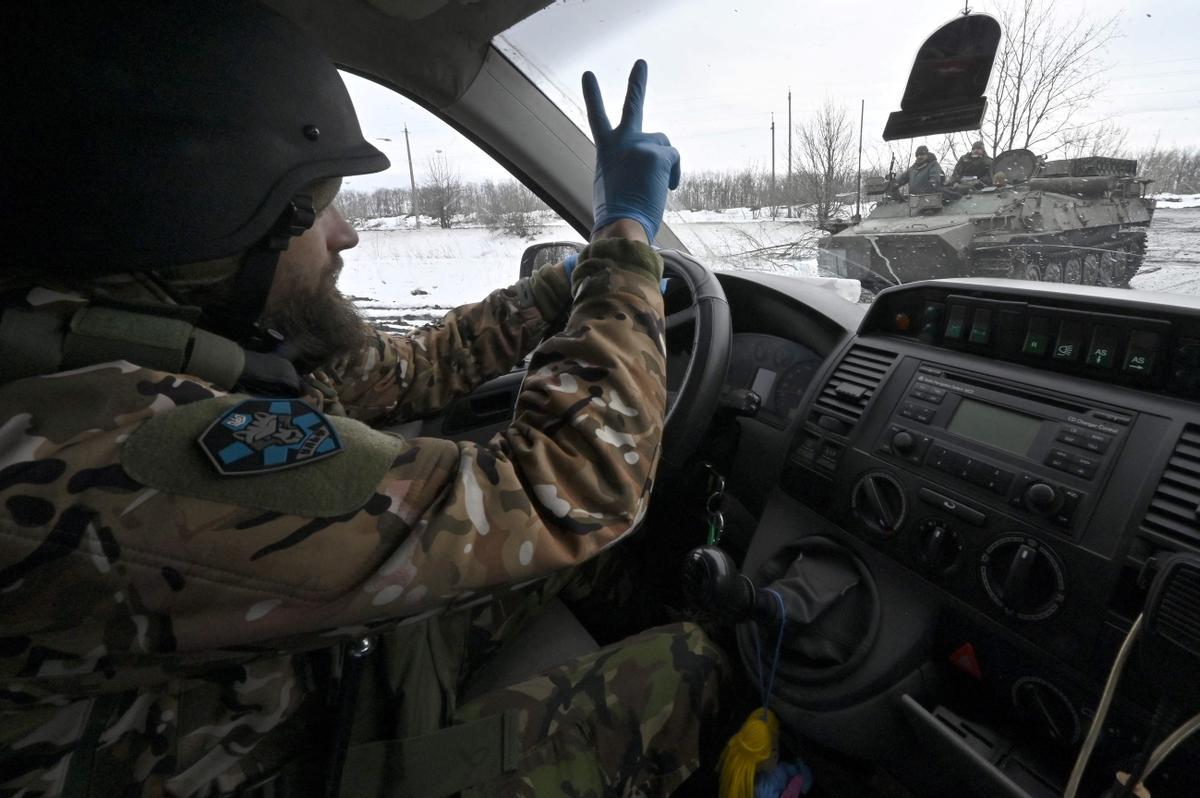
<point>755,747</point>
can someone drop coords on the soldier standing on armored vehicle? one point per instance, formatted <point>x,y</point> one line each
<point>975,163</point>
<point>925,176</point>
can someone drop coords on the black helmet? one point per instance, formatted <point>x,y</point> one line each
<point>922,150</point>
<point>978,145</point>
<point>141,135</point>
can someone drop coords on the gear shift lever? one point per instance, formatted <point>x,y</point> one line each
<point>712,583</point>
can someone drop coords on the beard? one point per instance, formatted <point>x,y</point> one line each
<point>319,326</point>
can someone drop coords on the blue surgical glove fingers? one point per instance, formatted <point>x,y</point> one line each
<point>635,95</point>
<point>597,118</point>
<point>634,170</point>
<point>569,265</point>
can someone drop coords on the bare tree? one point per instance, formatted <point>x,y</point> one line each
<point>441,191</point>
<point>825,154</point>
<point>1048,75</point>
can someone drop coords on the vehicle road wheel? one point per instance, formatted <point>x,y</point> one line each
<point>1072,270</point>
<point>1091,269</point>
<point>1135,252</point>
<point>1111,268</point>
<point>1052,272</point>
<point>1032,271</point>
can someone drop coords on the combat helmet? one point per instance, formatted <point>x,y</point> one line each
<point>145,135</point>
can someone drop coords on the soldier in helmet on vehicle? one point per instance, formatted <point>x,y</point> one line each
<point>204,542</point>
<point>925,176</point>
<point>975,164</point>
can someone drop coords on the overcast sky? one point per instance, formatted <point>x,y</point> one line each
<point>719,68</point>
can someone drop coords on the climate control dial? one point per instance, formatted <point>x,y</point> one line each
<point>879,504</point>
<point>1023,577</point>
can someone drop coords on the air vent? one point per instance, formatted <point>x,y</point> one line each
<point>852,385</point>
<point>1172,516</point>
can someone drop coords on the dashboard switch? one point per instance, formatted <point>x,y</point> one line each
<point>1186,366</point>
<point>981,326</point>
<point>1139,359</point>
<point>1102,351</point>
<point>1066,348</point>
<point>956,326</point>
<point>1037,337</point>
<point>931,320</point>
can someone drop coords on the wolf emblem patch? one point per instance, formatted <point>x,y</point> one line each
<point>261,435</point>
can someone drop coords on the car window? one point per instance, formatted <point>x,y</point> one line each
<point>1090,123</point>
<point>462,238</point>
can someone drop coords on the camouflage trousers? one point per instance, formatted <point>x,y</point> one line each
<point>623,720</point>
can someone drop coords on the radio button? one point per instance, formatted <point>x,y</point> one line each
<point>1096,442</point>
<point>1069,439</point>
<point>955,508</point>
<point>1060,460</point>
<point>1066,513</point>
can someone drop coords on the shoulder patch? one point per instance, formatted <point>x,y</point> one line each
<point>163,454</point>
<point>259,435</point>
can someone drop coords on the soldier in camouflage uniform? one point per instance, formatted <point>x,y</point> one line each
<point>975,164</point>
<point>183,563</point>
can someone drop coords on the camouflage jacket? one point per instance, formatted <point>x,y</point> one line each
<point>153,609</point>
<point>971,165</point>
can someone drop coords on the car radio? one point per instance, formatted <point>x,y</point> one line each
<point>1038,453</point>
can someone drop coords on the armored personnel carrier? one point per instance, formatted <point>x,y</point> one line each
<point>1081,221</point>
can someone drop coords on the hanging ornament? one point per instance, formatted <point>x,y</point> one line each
<point>754,749</point>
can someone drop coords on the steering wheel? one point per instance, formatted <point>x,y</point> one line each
<point>695,299</point>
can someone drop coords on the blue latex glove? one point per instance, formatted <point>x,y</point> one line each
<point>634,170</point>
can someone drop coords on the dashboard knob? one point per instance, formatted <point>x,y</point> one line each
<point>878,502</point>
<point>938,546</point>
<point>1047,710</point>
<point>1023,577</point>
<point>1041,497</point>
<point>904,443</point>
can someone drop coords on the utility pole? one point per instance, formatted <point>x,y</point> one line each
<point>772,197</point>
<point>412,180</point>
<point>788,185</point>
<point>862,111</point>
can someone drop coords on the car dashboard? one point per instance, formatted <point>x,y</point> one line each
<point>1007,463</point>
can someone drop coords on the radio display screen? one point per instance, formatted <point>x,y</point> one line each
<point>995,426</point>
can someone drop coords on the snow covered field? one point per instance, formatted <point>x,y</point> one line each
<point>404,276</point>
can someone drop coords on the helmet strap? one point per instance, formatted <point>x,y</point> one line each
<point>252,283</point>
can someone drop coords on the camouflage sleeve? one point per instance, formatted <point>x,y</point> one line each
<point>124,544</point>
<point>400,377</point>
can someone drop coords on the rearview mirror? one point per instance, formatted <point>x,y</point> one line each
<point>945,88</point>
<point>538,255</point>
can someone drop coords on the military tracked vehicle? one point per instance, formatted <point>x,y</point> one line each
<point>1080,220</point>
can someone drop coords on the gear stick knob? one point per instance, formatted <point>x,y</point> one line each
<point>712,584</point>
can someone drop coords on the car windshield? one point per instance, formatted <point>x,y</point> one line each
<point>1088,103</point>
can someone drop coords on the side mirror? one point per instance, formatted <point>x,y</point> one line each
<point>538,255</point>
<point>945,88</point>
